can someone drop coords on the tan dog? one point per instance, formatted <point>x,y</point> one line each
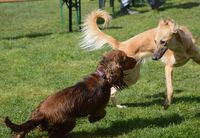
<point>176,45</point>
<point>143,45</point>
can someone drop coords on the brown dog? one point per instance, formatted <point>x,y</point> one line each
<point>89,97</point>
<point>180,47</point>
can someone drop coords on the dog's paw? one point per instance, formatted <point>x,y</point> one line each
<point>17,136</point>
<point>166,104</point>
<point>121,106</point>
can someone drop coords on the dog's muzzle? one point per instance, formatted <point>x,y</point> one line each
<point>159,53</point>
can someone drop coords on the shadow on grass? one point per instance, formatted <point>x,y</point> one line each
<point>186,99</point>
<point>187,5</point>
<point>125,126</point>
<point>114,27</point>
<point>197,115</point>
<point>32,35</point>
<point>119,13</point>
<point>145,104</point>
<point>111,27</point>
<point>156,95</point>
<point>158,99</point>
<point>162,94</point>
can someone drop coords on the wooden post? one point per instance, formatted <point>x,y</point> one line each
<point>70,15</point>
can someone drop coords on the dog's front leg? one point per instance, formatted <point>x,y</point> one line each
<point>19,135</point>
<point>168,76</point>
<point>114,100</point>
<point>99,114</point>
<point>61,130</point>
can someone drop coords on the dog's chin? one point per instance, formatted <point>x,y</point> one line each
<point>158,54</point>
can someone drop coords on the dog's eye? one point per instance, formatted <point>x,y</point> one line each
<point>162,42</point>
<point>112,72</point>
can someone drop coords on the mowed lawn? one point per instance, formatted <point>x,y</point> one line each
<point>39,57</point>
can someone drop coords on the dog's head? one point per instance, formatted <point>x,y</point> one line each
<point>165,31</point>
<point>114,63</point>
<point>120,58</point>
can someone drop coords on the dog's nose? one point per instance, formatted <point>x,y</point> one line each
<point>155,57</point>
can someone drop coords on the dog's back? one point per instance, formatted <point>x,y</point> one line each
<point>186,30</point>
<point>78,100</point>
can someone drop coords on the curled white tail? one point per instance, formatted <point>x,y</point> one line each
<point>92,37</point>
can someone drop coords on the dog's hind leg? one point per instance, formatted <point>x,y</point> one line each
<point>61,130</point>
<point>114,100</point>
<point>168,75</point>
<point>99,114</point>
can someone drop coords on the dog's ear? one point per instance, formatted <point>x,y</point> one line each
<point>161,22</point>
<point>115,76</point>
<point>128,63</point>
<point>173,25</point>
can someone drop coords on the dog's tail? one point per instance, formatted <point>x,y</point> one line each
<point>28,125</point>
<point>93,38</point>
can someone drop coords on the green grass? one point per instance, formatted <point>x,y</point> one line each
<point>39,57</point>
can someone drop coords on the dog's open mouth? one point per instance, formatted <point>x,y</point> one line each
<point>120,85</point>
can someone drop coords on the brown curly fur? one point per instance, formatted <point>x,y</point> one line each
<point>57,114</point>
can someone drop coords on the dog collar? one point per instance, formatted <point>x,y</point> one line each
<point>101,73</point>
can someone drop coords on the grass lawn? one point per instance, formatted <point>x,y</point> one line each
<point>38,57</point>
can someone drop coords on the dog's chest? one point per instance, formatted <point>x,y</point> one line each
<point>175,58</point>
